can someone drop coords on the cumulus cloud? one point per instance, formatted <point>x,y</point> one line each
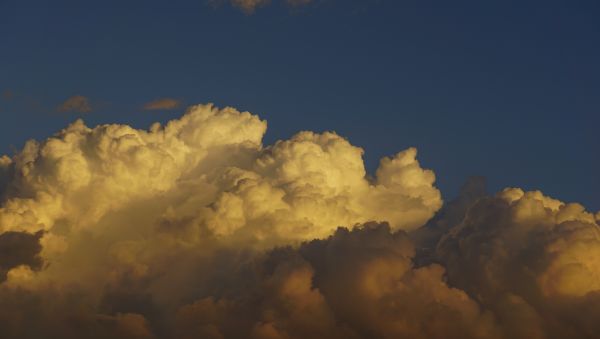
<point>196,229</point>
<point>75,104</point>
<point>164,103</point>
<point>531,260</point>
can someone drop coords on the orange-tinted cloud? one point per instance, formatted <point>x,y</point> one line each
<point>164,104</point>
<point>250,6</point>
<point>75,104</point>
<point>7,94</point>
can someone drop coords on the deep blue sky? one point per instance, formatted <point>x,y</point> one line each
<point>505,89</point>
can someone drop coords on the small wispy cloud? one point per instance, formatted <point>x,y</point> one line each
<point>7,94</point>
<point>75,104</point>
<point>250,6</point>
<point>163,103</point>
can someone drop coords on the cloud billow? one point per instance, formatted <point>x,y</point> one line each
<point>196,229</point>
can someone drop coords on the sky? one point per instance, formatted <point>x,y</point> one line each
<point>507,90</point>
